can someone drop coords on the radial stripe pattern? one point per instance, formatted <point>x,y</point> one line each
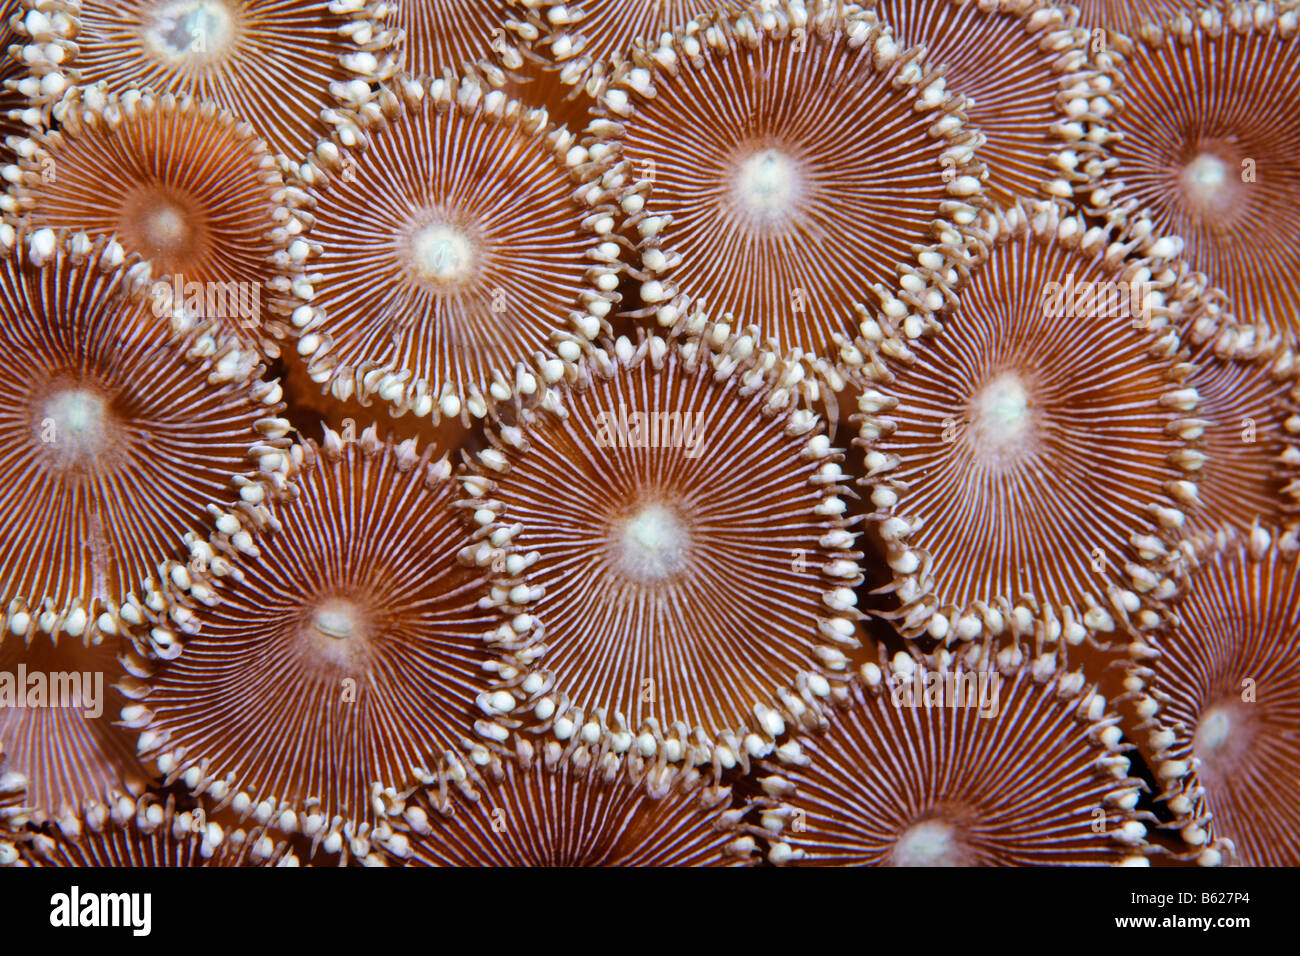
<point>12,100</point>
<point>590,39</point>
<point>607,29</point>
<point>1220,705</point>
<point>576,813</point>
<point>1031,489</point>
<point>1023,772</point>
<point>570,52</point>
<point>670,509</point>
<point>450,252</point>
<point>183,185</point>
<point>760,158</point>
<point>1125,16</point>
<point>1033,90</point>
<point>1209,152</point>
<point>1248,384</point>
<point>119,438</point>
<point>58,709</point>
<point>347,660</point>
<point>449,34</point>
<point>280,62</point>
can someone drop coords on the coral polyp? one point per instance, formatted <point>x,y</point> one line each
<point>1206,148</point>
<point>482,257</point>
<point>1033,93</point>
<point>58,704</point>
<point>147,832</point>
<point>760,146</point>
<point>994,437</point>
<point>12,101</point>
<point>957,768</point>
<point>440,36</point>
<point>1216,696</point>
<point>674,495</point>
<point>129,436</point>
<point>373,638</point>
<point>180,184</point>
<point>585,44</point>
<point>1247,381</point>
<point>583,809</point>
<point>285,64</point>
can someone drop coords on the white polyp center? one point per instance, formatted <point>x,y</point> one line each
<point>653,543</point>
<point>337,621</point>
<point>1222,735</point>
<point>189,29</point>
<point>1002,414</point>
<point>766,184</point>
<point>1205,176</point>
<point>929,843</point>
<point>442,254</point>
<point>337,631</point>
<point>74,422</point>
<point>165,227</point>
<point>1212,185</point>
<point>1213,731</point>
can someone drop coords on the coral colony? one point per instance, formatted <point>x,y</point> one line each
<point>631,433</point>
